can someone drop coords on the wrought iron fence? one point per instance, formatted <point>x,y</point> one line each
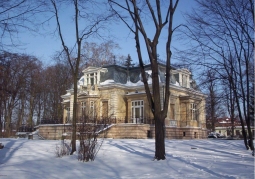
<point>51,121</point>
<point>111,120</point>
<point>25,128</point>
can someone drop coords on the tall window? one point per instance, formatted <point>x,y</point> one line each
<point>92,109</point>
<point>92,81</point>
<point>193,111</point>
<point>68,118</point>
<point>83,108</point>
<point>105,109</point>
<point>92,78</point>
<point>137,111</point>
<point>184,80</point>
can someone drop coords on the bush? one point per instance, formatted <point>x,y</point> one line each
<point>88,142</point>
<point>88,136</point>
<point>62,149</point>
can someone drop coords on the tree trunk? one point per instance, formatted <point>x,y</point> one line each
<point>250,136</point>
<point>8,124</point>
<point>74,115</point>
<point>21,112</point>
<point>243,132</point>
<point>31,110</point>
<point>160,139</point>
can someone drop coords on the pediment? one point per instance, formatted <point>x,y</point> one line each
<point>92,69</point>
<point>83,94</point>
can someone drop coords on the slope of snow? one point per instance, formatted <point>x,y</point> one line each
<point>128,159</point>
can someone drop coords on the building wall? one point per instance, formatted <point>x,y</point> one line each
<point>120,105</point>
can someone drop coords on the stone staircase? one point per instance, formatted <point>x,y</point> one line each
<point>128,131</point>
<point>37,136</point>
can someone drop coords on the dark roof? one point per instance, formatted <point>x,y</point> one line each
<point>119,73</point>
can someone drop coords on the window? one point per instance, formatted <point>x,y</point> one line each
<point>92,112</point>
<point>184,80</point>
<point>68,117</point>
<point>83,108</point>
<point>105,109</point>
<point>193,111</point>
<point>92,79</point>
<point>137,111</point>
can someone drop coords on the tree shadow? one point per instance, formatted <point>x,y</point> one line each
<point>202,168</point>
<point>133,149</point>
<point>9,149</point>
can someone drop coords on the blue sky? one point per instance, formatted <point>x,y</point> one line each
<point>44,46</point>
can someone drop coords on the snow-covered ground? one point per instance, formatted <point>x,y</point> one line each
<point>128,159</point>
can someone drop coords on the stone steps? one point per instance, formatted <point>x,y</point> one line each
<point>128,131</point>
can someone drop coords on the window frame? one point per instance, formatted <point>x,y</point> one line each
<point>92,78</point>
<point>92,109</point>
<point>194,111</point>
<point>68,114</point>
<point>83,108</point>
<point>137,104</point>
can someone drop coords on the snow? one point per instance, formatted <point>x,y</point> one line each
<point>139,83</point>
<point>107,82</point>
<point>128,159</point>
<point>177,84</point>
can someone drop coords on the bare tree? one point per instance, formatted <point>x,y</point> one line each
<point>57,78</point>
<point>17,16</point>
<point>95,54</point>
<point>93,17</point>
<point>210,84</point>
<point>161,14</point>
<point>16,79</point>
<point>222,33</point>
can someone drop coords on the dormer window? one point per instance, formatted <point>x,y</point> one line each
<point>182,77</point>
<point>92,79</point>
<point>92,75</point>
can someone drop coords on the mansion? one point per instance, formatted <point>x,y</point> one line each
<point>118,93</point>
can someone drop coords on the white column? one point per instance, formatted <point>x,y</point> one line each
<point>188,84</point>
<point>85,79</point>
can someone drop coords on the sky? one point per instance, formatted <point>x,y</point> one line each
<point>45,46</point>
<point>128,159</point>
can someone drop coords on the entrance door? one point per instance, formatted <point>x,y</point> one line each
<point>137,111</point>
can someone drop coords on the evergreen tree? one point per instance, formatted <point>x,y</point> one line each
<point>128,64</point>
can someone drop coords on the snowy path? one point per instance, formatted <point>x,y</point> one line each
<point>128,159</point>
